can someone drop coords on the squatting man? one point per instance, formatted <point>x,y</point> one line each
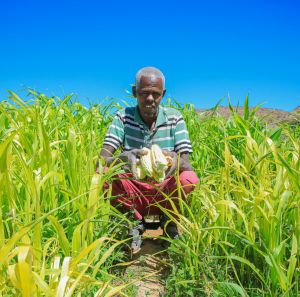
<point>134,128</point>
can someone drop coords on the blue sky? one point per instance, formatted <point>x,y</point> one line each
<point>206,49</point>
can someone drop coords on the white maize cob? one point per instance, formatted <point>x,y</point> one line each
<point>153,164</point>
<point>138,171</point>
<point>159,161</point>
<point>159,177</point>
<point>146,163</point>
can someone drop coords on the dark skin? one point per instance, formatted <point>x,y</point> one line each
<point>149,94</point>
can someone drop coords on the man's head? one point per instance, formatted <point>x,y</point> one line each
<point>149,90</point>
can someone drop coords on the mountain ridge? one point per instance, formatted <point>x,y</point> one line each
<point>272,116</point>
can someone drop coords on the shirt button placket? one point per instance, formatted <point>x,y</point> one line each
<point>146,140</point>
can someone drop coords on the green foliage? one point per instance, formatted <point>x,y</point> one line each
<point>56,231</point>
<point>241,225</point>
<point>60,237</point>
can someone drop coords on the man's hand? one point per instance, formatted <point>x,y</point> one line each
<point>131,157</point>
<point>174,165</point>
<point>184,163</point>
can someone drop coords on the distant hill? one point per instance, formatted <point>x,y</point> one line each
<point>296,110</point>
<point>271,116</point>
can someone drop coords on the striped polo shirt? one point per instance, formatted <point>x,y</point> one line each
<point>129,131</point>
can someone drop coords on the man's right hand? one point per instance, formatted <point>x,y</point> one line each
<point>131,157</point>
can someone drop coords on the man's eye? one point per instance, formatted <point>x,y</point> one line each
<point>156,95</point>
<point>146,94</point>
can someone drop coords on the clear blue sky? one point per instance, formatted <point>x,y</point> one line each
<point>206,49</point>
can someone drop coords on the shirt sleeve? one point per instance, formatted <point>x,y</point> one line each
<point>115,134</point>
<point>182,140</point>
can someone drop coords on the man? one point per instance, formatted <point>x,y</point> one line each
<point>141,126</point>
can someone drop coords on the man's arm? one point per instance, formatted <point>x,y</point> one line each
<point>106,153</point>
<point>129,157</point>
<point>185,164</point>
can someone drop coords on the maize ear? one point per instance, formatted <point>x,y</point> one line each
<point>146,163</point>
<point>153,164</point>
<point>138,171</point>
<point>159,161</point>
<point>159,177</point>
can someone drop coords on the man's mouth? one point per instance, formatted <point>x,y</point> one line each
<point>149,106</point>
<point>149,110</point>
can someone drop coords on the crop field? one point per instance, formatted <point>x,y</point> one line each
<point>59,236</point>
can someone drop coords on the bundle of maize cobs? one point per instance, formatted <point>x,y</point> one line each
<point>153,164</point>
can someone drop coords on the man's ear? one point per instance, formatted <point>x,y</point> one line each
<point>134,91</point>
<point>164,92</point>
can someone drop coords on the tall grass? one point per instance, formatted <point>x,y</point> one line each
<point>60,237</point>
<point>55,233</point>
<point>241,226</point>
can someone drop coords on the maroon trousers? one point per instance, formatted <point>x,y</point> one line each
<point>141,197</point>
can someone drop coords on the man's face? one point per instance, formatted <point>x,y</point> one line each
<point>149,94</point>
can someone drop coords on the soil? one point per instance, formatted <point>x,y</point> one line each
<point>149,266</point>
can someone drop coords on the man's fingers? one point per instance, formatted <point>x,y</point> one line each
<point>133,159</point>
<point>171,171</point>
<point>140,152</point>
<point>126,167</point>
<point>132,168</point>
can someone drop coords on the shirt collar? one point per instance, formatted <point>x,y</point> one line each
<point>161,117</point>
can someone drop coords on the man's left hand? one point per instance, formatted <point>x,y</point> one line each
<point>171,170</point>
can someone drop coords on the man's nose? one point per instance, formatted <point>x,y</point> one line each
<point>150,97</point>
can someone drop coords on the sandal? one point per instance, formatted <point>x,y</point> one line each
<point>136,234</point>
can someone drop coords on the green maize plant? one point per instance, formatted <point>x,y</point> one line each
<point>59,235</point>
<point>241,225</point>
<point>56,232</point>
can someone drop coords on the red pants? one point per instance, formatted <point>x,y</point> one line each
<point>140,196</point>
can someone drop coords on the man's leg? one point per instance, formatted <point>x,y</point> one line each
<point>188,181</point>
<point>140,197</point>
<point>130,195</point>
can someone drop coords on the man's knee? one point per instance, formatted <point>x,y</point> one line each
<point>188,181</point>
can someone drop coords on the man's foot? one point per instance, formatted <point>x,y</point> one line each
<point>170,230</point>
<point>136,233</point>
